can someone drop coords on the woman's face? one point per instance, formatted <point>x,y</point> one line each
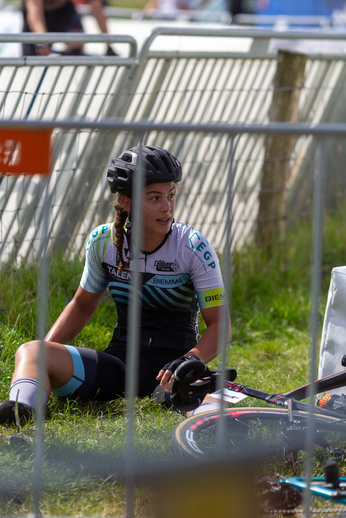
<point>158,212</point>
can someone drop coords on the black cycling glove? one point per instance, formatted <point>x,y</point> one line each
<point>172,366</point>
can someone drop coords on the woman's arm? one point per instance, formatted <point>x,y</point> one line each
<point>35,15</point>
<point>207,347</point>
<point>99,15</point>
<point>75,316</point>
<point>37,23</point>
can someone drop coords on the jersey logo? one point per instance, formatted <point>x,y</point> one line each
<point>162,266</point>
<point>212,298</point>
<point>114,272</point>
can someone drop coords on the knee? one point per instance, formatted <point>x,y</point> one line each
<point>28,351</point>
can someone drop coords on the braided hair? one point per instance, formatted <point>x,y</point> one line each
<point>121,216</point>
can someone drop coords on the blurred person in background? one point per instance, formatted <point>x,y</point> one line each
<point>58,16</point>
<point>236,7</point>
<point>172,6</point>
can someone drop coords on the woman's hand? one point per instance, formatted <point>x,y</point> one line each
<point>205,350</point>
<point>165,375</point>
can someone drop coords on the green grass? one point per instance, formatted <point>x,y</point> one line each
<point>85,442</point>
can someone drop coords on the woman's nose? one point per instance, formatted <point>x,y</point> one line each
<point>165,205</point>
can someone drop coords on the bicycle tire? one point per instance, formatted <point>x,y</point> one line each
<point>258,428</point>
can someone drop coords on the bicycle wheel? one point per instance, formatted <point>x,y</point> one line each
<point>255,429</point>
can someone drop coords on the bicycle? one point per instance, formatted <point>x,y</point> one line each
<point>262,428</point>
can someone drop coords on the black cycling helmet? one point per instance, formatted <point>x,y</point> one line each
<point>158,164</point>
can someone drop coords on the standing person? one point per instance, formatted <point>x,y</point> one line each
<point>172,6</point>
<point>57,16</point>
<point>180,276</point>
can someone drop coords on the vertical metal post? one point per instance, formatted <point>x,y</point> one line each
<point>315,296</point>
<point>41,332</point>
<point>222,341</point>
<point>133,338</point>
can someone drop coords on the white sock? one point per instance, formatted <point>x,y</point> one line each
<point>205,407</point>
<point>27,391</point>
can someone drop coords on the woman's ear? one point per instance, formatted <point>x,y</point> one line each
<point>126,203</point>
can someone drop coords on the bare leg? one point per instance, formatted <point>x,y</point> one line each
<point>75,46</point>
<point>59,364</point>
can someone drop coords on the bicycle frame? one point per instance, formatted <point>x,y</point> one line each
<point>292,398</point>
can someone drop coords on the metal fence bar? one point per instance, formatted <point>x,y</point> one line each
<point>10,82</point>
<point>169,75</point>
<point>315,298</point>
<point>131,382</point>
<point>231,131</point>
<point>25,82</point>
<point>81,104</point>
<point>327,129</point>
<point>60,37</point>
<point>163,86</point>
<point>41,332</point>
<point>190,133</point>
<point>226,272</point>
<point>25,185</point>
<point>258,34</point>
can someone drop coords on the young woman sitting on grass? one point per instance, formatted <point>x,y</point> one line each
<point>180,276</point>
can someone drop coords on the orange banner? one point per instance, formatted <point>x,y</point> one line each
<point>25,151</point>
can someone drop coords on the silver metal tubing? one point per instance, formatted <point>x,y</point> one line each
<point>322,129</point>
<point>315,298</point>
<point>131,382</point>
<point>62,37</point>
<point>236,32</point>
<point>41,332</point>
<point>223,327</point>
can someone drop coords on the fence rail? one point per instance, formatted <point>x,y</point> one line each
<point>192,85</point>
<point>210,109</point>
<point>230,133</point>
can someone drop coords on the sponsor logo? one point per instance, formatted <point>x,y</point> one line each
<point>212,298</point>
<point>168,282</point>
<point>218,296</point>
<point>163,266</point>
<point>113,272</point>
<point>207,255</point>
<point>192,442</point>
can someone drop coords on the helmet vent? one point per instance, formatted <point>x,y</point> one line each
<point>156,163</point>
<point>167,163</point>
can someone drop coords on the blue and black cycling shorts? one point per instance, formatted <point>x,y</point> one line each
<point>101,375</point>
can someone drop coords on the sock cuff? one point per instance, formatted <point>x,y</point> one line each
<point>26,391</point>
<point>25,380</point>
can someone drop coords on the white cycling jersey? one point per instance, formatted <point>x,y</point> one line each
<point>178,278</point>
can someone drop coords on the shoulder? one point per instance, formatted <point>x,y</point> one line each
<point>194,246</point>
<point>182,231</point>
<point>192,237</point>
<point>100,234</point>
